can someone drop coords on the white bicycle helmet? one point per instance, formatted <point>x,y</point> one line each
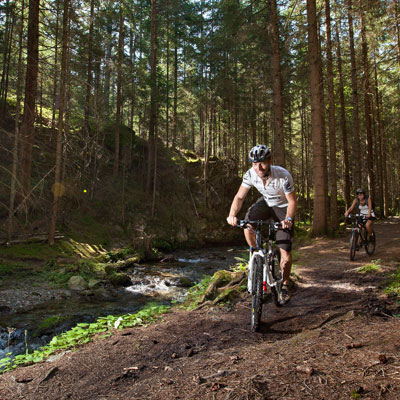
<point>259,153</point>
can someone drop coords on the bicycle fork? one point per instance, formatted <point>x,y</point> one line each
<point>251,268</point>
<point>268,280</point>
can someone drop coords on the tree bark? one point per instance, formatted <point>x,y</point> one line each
<point>319,173</point>
<point>331,119</point>
<point>175,110</point>
<point>58,188</point>
<point>343,125</point>
<point>27,127</point>
<point>397,26</point>
<point>354,86</point>
<point>383,186</point>
<point>367,105</point>
<point>13,184</point>
<point>119,81</point>
<point>153,94</point>
<point>279,142</point>
<point>55,77</point>
<point>89,73</point>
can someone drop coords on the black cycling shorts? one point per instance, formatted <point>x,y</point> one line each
<point>261,211</point>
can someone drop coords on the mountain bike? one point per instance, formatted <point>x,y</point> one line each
<point>359,236</point>
<point>264,269</point>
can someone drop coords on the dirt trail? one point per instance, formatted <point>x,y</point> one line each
<point>335,340</point>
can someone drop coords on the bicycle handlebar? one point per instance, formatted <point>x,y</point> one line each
<point>244,222</point>
<point>356,216</point>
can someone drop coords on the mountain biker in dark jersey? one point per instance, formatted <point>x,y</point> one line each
<point>278,202</point>
<point>364,204</point>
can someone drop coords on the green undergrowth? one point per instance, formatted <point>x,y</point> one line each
<point>38,251</point>
<point>84,333</point>
<point>393,285</point>
<point>195,293</point>
<point>373,267</point>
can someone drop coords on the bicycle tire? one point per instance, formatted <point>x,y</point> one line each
<point>353,244</point>
<point>276,272</point>
<point>257,294</point>
<point>370,246</point>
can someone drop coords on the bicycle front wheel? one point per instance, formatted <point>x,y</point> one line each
<point>353,244</point>
<point>257,293</point>
<point>275,265</point>
<point>370,246</point>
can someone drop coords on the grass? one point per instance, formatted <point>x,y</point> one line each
<point>39,251</point>
<point>373,267</point>
<point>393,285</point>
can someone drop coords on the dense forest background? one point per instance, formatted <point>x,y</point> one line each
<point>115,110</point>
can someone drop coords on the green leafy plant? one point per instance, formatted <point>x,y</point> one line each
<point>82,333</point>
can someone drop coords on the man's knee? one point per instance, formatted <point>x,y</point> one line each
<point>286,258</point>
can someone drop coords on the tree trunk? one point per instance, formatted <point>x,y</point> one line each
<point>153,94</point>
<point>89,74</point>
<point>354,85</point>
<point>55,77</point>
<point>279,142</point>
<point>8,48</point>
<point>384,198</point>
<point>16,134</point>
<point>319,173</point>
<point>343,126</point>
<point>367,105</point>
<point>119,81</point>
<point>167,88</point>
<point>27,127</point>
<point>332,125</point>
<point>397,26</point>
<point>3,98</point>
<point>175,111</point>
<point>58,189</point>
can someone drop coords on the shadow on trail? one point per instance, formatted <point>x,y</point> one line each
<point>267,327</point>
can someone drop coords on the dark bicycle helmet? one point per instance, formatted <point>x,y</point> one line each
<point>259,153</point>
<point>359,190</point>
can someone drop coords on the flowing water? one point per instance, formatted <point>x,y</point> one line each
<point>161,282</point>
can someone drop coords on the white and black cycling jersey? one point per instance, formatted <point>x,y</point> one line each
<point>279,183</point>
<point>364,209</point>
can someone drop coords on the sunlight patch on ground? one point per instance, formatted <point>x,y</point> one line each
<point>86,250</point>
<point>340,286</point>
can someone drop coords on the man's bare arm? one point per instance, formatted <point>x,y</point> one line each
<point>291,210</point>
<point>237,204</point>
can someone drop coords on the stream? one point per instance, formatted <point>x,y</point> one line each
<point>162,282</point>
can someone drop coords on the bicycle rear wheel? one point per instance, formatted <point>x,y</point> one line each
<point>353,244</point>
<point>370,246</point>
<point>275,265</point>
<point>257,294</point>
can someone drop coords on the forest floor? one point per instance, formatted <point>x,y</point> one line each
<point>338,338</point>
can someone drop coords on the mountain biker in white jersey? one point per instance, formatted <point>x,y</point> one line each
<point>278,202</point>
<point>364,204</point>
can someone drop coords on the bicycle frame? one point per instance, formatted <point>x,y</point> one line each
<point>358,225</point>
<point>359,236</point>
<point>266,254</point>
<point>262,269</point>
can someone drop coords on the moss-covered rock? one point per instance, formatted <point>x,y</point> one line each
<point>184,282</point>
<point>221,281</point>
<point>119,279</point>
<point>76,282</point>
